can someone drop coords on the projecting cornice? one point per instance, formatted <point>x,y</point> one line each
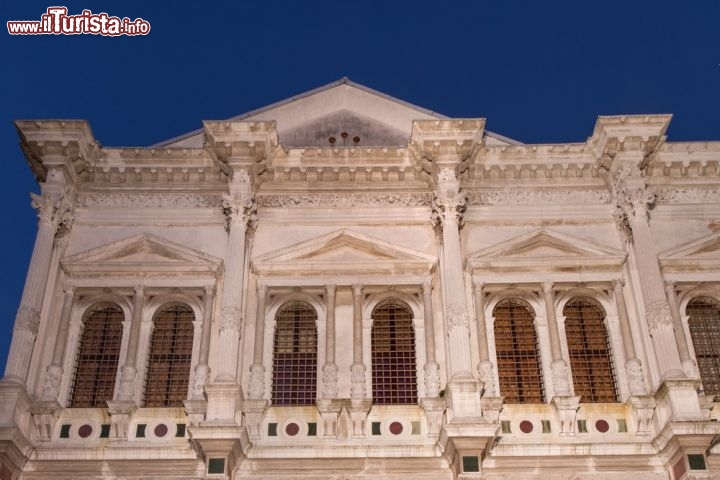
<point>240,144</point>
<point>446,143</point>
<point>67,145</point>
<point>633,137</point>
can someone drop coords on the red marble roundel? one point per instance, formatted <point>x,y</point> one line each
<point>602,426</point>
<point>292,429</point>
<point>526,426</point>
<point>85,431</point>
<point>396,428</point>
<point>161,430</point>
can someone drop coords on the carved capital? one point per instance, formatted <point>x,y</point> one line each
<point>256,386</point>
<point>330,380</point>
<point>55,209</point>
<point>357,290</point>
<point>633,196</point>
<point>432,380</point>
<point>636,379</point>
<point>27,319</point>
<point>561,378</point>
<point>457,316</point>
<point>53,378</point>
<point>449,202</point>
<point>230,318</point>
<point>330,290</point>
<point>658,315</point>
<point>239,203</point>
<point>357,380</point>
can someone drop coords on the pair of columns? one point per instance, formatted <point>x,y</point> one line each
<point>330,368</point>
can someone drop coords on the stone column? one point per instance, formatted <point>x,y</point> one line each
<point>53,377</point>
<point>449,206</point>
<point>257,369</point>
<point>239,209</point>
<point>357,371</point>
<point>129,369</point>
<point>54,211</point>
<point>485,367</point>
<point>633,199</point>
<point>559,367</point>
<point>633,367</point>
<point>688,364</point>
<point>432,369</point>
<point>202,370</point>
<point>330,370</point>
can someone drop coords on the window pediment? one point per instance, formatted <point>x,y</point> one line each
<point>140,254</point>
<point>702,254</point>
<point>344,253</point>
<point>545,250</point>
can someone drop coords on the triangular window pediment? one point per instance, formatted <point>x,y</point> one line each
<point>702,254</point>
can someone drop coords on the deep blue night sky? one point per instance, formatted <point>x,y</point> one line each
<point>540,72</point>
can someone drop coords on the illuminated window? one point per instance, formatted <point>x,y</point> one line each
<point>589,350</point>
<point>516,347</point>
<point>168,370</point>
<point>704,323</point>
<point>97,357</point>
<point>295,355</point>
<point>393,355</point>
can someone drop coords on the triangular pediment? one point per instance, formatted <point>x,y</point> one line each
<point>343,253</point>
<point>546,250</point>
<point>311,118</point>
<point>140,254</point>
<point>702,254</point>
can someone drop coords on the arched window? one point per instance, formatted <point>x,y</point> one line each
<point>394,377</point>
<point>704,323</point>
<point>516,347</point>
<point>295,355</point>
<point>97,356</point>
<point>168,367</point>
<point>589,350</point>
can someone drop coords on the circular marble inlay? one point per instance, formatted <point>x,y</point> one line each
<point>85,431</point>
<point>602,426</point>
<point>292,429</point>
<point>526,426</point>
<point>161,430</point>
<point>396,428</point>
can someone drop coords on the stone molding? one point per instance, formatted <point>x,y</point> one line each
<point>335,200</point>
<point>149,200</point>
<point>538,197</point>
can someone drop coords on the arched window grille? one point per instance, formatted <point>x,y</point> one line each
<point>589,350</point>
<point>170,355</point>
<point>295,355</point>
<point>96,364</point>
<point>394,371</point>
<point>516,348</point>
<point>704,324</point>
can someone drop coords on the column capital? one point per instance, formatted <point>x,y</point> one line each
<point>548,286</point>
<point>330,289</point>
<point>427,285</point>
<point>357,289</point>
<point>262,289</point>
<point>209,290</point>
<point>69,290</point>
<point>139,290</point>
<point>618,283</point>
<point>670,285</point>
<point>478,285</point>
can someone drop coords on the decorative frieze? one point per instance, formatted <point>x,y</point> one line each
<point>687,195</point>
<point>538,197</point>
<point>149,200</point>
<point>339,200</point>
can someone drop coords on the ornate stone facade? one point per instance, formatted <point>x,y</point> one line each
<point>497,269</point>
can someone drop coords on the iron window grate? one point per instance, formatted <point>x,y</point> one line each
<point>295,355</point>
<point>516,347</point>
<point>704,324</point>
<point>97,356</point>
<point>590,355</point>
<point>394,370</point>
<point>168,371</point>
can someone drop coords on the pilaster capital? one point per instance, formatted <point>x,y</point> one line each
<point>209,290</point>
<point>139,291</point>
<point>633,197</point>
<point>239,203</point>
<point>427,286</point>
<point>670,286</point>
<point>55,207</point>
<point>27,319</point>
<point>618,284</point>
<point>548,286</point>
<point>69,291</point>
<point>449,201</point>
<point>478,285</point>
<point>330,290</point>
<point>357,290</point>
